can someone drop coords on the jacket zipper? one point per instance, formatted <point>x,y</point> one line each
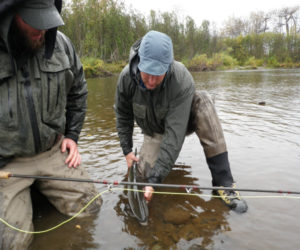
<point>32,111</point>
<point>58,90</point>
<point>9,101</point>
<point>48,92</point>
<point>152,112</point>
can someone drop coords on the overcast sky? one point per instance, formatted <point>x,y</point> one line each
<point>213,10</point>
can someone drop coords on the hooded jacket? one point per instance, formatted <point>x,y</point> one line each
<point>7,7</point>
<point>164,110</point>
<point>41,98</point>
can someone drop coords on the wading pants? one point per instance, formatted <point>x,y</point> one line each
<point>15,201</point>
<point>205,123</point>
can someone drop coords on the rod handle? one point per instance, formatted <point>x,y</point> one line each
<point>4,175</point>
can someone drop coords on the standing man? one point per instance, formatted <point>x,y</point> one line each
<point>42,109</point>
<point>159,94</point>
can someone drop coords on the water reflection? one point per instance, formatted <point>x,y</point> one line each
<point>77,234</point>
<point>264,152</point>
<point>99,142</point>
<point>238,94</point>
<point>176,220</point>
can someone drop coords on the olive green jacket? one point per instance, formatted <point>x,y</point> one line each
<point>164,110</point>
<point>40,99</point>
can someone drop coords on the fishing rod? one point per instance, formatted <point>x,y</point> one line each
<point>188,188</point>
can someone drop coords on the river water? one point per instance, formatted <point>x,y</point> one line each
<point>264,151</point>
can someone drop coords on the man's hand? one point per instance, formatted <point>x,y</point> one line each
<point>74,158</point>
<point>130,158</point>
<point>148,193</point>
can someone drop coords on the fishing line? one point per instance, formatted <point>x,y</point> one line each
<point>110,188</point>
<point>58,225</point>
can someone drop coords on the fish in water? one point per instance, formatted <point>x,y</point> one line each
<point>136,198</point>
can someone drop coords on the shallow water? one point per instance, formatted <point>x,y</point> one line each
<point>264,150</point>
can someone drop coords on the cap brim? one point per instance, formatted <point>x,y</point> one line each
<point>41,19</point>
<point>152,67</point>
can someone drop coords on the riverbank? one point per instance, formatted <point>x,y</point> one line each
<point>94,67</point>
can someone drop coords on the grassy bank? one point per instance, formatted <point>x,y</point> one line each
<point>223,61</point>
<point>94,67</point>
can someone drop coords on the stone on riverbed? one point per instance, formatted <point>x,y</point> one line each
<point>176,216</point>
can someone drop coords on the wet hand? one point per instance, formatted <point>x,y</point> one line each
<point>148,193</point>
<point>74,158</point>
<point>130,158</point>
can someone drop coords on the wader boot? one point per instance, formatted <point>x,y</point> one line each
<point>205,123</point>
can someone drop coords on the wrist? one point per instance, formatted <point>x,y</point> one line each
<point>154,179</point>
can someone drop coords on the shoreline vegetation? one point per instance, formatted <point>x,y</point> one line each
<point>103,32</point>
<point>94,68</point>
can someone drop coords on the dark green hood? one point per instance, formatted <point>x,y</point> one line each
<point>7,12</point>
<point>134,59</point>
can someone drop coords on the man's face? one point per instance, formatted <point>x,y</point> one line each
<point>151,81</point>
<point>34,38</point>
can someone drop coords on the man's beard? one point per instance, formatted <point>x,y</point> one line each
<point>21,43</point>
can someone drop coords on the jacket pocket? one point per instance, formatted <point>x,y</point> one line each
<point>139,111</point>
<point>8,95</point>
<point>160,112</point>
<point>53,82</point>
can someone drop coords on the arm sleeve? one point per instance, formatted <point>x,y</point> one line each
<point>77,94</point>
<point>124,112</point>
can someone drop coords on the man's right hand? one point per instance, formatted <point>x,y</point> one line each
<point>148,193</point>
<point>130,158</point>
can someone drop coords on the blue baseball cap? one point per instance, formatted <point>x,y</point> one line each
<point>156,53</point>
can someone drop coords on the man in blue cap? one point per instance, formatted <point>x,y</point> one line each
<point>42,108</point>
<point>159,94</point>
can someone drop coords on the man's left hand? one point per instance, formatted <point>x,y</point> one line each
<point>74,158</point>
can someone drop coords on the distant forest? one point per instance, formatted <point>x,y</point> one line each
<point>106,29</point>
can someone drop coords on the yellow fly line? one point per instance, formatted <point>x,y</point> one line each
<point>136,190</point>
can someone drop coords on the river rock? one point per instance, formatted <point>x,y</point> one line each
<point>189,232</point>
<point>176,216</point>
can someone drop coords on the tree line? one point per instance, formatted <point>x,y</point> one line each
<point>106,29</point>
